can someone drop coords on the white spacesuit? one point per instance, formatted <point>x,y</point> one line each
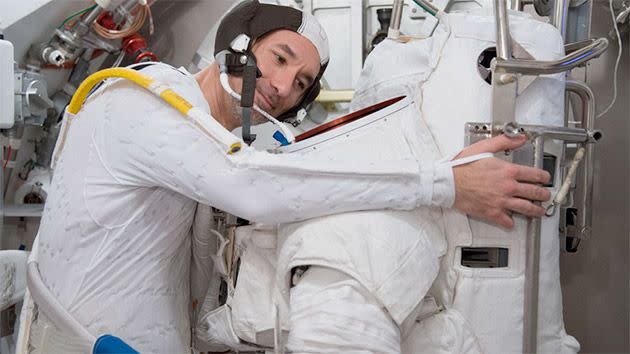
<point>136,246</point>
<point>442,73</point>
<point>370,271</point>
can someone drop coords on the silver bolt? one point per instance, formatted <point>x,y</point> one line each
<point>507,78</point>
<point>243,59</point>
<point>511,129</point>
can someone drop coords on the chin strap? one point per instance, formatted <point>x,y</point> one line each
<point>250,73</point>
<point>240,60</point>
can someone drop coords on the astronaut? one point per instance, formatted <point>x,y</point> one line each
<point>114,241</point>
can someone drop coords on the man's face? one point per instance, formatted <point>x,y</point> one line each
<point>289,64</point>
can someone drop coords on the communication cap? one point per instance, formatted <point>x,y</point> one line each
<point>251,20</point>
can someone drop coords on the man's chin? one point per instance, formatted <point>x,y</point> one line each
<point>258,118</point>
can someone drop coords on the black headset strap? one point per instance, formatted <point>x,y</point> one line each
<point>250,71</point>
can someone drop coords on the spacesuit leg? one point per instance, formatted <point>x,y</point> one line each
<point>330,312</point>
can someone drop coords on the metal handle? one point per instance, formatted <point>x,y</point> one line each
<point>587,50</point>
<point>585,175</point>
<point>572,47</point>
<point>534,67</point>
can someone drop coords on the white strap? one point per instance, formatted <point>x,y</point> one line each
<point>220,265</point>
<point>468,159</point>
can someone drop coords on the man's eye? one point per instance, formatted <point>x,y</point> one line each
<point>300,84</point>
<point>280,59</point>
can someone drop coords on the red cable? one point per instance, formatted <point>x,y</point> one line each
<point>4,167</point>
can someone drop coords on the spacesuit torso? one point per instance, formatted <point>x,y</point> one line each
<point>393,254</point>
<point>442,73</point>
<point>114,249</point>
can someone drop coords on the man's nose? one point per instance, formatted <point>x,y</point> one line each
<point>283,82</point>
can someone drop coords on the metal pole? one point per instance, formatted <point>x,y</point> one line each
<point>559,16</point>
<point>1,209</point>
<point>394,24</point>
<point>428,7</point>
<point>356,40</point>
<point>92,15</point>
<point>504,49</point>
<point>578,57</point>
<point>516,5</point>
<point>585,175</point>
<point>83,27</point>
<point>532,265</point>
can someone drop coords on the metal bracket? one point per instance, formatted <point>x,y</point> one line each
<point>504,90</point>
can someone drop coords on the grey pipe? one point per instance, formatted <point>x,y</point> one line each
<point>83,27</point>
<point>584,197</point>
<point>569,135</point>
<point>397,8</point>
<point>91,17</point>
<point>570,61</point>
<point>559,16</point>
<point>532,268</point>
<point>588,102</point>
<point>572,47</point>
<point>428,7</point>
<point>515,5</point>
<point>504,45</point>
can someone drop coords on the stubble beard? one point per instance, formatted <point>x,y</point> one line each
<point>237,112</point>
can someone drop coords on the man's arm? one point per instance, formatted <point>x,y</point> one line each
<point>492,189</point>
<point>164,149</point>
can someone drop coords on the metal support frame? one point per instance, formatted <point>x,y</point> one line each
<point>559,16</point>
<point>1,209</point>
<point>584,182</point>
<point>588,50</point>
<point>537,134</point>
<point>506,71</point>
<point>397,11</point>
<point>532,267</point>
<point>356,28</point>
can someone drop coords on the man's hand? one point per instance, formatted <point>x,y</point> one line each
<point>492,189</point>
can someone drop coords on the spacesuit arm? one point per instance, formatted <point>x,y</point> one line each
<point>157,146</point>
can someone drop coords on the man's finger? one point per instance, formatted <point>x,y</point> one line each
<point>532,175</point>
<point>493,145</point>
<point>505,220</point>
<point>532,192</point>
<point>525,207</point>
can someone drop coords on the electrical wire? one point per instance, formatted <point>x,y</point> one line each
<point>143,13</point>
<point>4,167</point>
<point>76,14</point>
<point>612,15</point>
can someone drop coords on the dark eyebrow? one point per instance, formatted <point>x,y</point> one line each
<point>287,49</point>
<point>291,53</point>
